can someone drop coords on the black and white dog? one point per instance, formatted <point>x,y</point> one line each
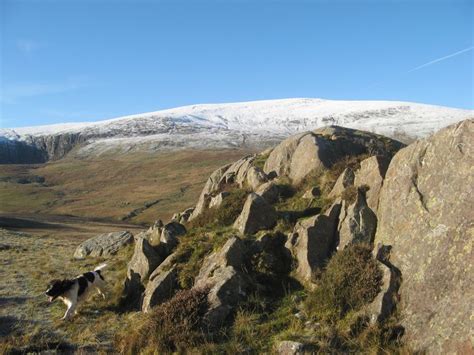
<point>71,292</point>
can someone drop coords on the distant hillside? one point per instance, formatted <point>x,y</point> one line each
<point>246,124</point>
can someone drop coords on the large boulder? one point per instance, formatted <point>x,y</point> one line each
<point>358,223</point>
<point>302,154</point>
<point>312,242</point>
<point>371,174</point>
<point>221,273</point>
<point>104,245</point>
<point>426,213</point>
<point>144,260</point>
<point>161,287</point>
<point>213,184</point>
<point>257,214</point>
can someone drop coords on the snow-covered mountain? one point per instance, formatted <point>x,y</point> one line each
<point>256,123</point>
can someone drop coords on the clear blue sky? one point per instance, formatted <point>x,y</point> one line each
<point>87,60</point>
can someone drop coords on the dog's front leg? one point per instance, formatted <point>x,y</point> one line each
<point>69,312</point>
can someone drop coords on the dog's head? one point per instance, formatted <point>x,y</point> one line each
<point>56,288</point>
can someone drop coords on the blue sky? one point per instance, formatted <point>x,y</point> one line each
<point>64,61</point>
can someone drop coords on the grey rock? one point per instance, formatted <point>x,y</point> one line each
<point>288,347</point>
<point>300,155</point>
<point>269,191</point>
<point>358,223</point>
<point>344,180</point>
<point>170,233</point>
<point>213,184</point>
<point>160,288</point>
<point>221,273</point>
<point>371,174</point>
<point>426,213</point>
<point>313,241</point>
<point>257,214</point>
<point>217,200</point>
<point>144,261</point>
<point>104,245</point>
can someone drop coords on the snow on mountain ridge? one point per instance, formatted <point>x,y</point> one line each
<point>244,123</point>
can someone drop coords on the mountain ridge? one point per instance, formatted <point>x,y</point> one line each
<point>230,125</point>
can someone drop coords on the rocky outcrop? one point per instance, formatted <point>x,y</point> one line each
<point>212,185</point>
<point>217,200</point>
<point>371,174</point>
<point>257,214</point>
<point>183,217</point>
<point>18,152</point>
<point>312,242</point>
<point>221,273</point>
<point>344,180</point>
<point>426,214</point>
<point>104,245</point>
<point>269,191</point>
<point>144,260</point>
<point>358,223</point>
<point>384,304</point>
<point>161,287</point>
<point>170,234</point>
<point>302,154</point>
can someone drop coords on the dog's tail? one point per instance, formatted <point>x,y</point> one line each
<point>100,267</point>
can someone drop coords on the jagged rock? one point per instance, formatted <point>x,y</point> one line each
<point>425,213</point>
<point>358,223</point>
<point>344,180</point>
<point>257,214</point>
<point>217,200</point>
<point>256,177</point>
<point>160,288</point>
<point>231,254</point>
<point>104,245</point>
<point>312,193</point>
<point>371,173</point>
<point>269,191</point>
<point>312,242</point>
<point>288,347</point>
<point>302,154</point>
<point>213,184</point>
<point>385,302</point>
<point>221,272</point>
<point>182,217</point>
<point>144,260</point>
<point>170,233</point>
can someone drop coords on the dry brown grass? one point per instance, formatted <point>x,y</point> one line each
<point>111,187</point>
<point>175,325</point>
<point>27,321</point>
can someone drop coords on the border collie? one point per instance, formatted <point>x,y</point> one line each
<point>71,292</point>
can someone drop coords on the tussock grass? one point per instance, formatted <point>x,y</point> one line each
<point>175,325</point>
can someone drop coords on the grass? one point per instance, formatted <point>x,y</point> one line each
<point>175,325</point>
<point>225,214</point>
<point>28,321</point>
<point>111,187</point>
